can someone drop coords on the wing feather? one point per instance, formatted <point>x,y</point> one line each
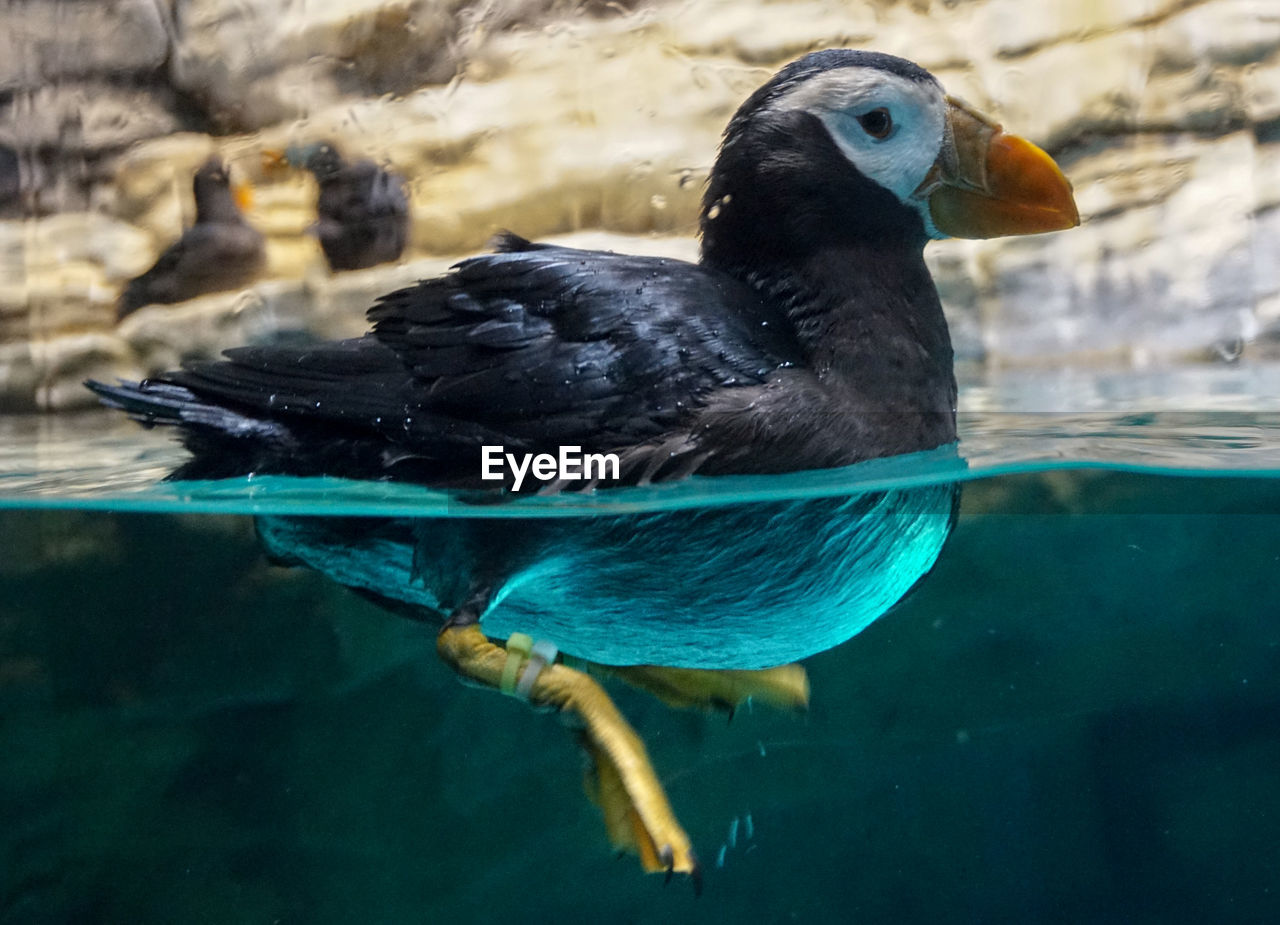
<point>554,345</point>
<point>532,347</point>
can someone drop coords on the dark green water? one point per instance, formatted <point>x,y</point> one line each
<point>1076,718</point>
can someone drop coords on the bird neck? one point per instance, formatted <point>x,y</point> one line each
<point>214,203</point>
<point>862,315</point>
<point>873,332</point>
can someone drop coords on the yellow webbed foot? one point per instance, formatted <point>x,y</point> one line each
<point>630,831</point>
<point>786,686</point>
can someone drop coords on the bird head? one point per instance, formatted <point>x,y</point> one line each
<point>212,174</point>
<point>213,182</point>
<point>322,158</point>
<point>850,142</point>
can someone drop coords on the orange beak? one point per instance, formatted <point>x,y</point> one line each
<point>986,184</point>
<point>242,193</point>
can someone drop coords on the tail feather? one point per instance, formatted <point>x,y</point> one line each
<point>152,402</point>
<point>223,442</point>
<point>147,402</point>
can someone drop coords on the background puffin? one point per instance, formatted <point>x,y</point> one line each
<point>809,335</point>
<point>220,251</point>
<point>363,209</point>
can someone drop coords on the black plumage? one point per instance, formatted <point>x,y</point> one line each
<point>810,335</point>
<point>220,251</point>
<point>362,209</point>
<point>10,182</point>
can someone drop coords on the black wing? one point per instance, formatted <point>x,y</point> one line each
<point>533,347</point>
<point>553,345</point>
<point>209,257</point>
<point>161,283</point>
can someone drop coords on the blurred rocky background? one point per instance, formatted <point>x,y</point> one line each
<point>596,122</point>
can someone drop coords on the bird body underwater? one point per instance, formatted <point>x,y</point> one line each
<point>220,251</point>
<point>808,336</point>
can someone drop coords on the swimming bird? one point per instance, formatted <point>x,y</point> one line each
<point>363,209</point>
<point>809,335</point>
<point>220,251</point>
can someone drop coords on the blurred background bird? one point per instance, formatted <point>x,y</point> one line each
<point>362,209</point>
<point>220,251</point>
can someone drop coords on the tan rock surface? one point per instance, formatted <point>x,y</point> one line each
<point>1163,113</point>
<point>44,41</point>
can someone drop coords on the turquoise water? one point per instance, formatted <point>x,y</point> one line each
<point>1075,717</point>
<point>100,461</point>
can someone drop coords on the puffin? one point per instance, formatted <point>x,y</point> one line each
<point>220,251</point>
<point>362,208</point>
<point>10,181</point>
<point>809,335</point>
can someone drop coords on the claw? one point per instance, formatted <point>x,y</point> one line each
<point>629,829</point>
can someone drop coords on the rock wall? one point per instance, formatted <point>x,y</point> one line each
<point>555,118</point>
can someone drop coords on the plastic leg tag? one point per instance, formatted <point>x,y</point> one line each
<point>543,654</point>
<point>519,645</point>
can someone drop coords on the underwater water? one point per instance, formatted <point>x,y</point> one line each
<point>1074,717</point>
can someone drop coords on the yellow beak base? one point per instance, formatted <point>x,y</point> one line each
<point>998,184</point>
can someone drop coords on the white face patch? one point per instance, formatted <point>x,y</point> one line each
<point>900,161</point>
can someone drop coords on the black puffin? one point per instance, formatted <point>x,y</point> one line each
<point>220,251</point>
<point>362,210</point>
<point>809,335</point>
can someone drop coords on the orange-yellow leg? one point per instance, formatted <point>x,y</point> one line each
<point>636,811</point>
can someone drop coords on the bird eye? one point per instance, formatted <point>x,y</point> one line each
<point>877,123</point>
